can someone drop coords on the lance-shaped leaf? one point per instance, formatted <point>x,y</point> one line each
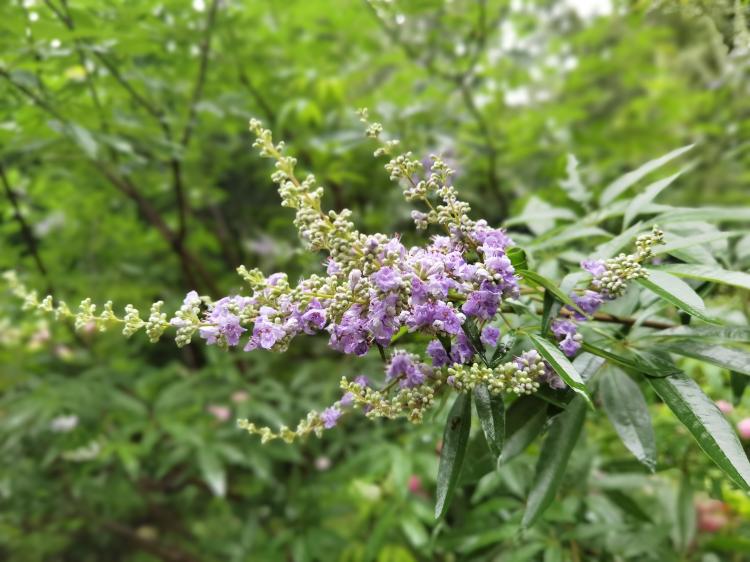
<point>549,285</point>
<point>730,358</point>
<point>621,184</point>
<point>654,363</point>
<point>549,311</point>
<point>556,450</point>
<point>491,413</point>
<point>738,383</point>
<point>455,439</point>
<point>708,425</point>
<point>733,333</point>
<point>641,200</point>
<point>627,410</point>
<point>709,273</point>
<point>561,365</point>
<point>677,292</point>
<point>523,422</point>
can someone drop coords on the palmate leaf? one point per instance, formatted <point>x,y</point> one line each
<point>491,413</point>
<point>561,365</point>
<point>621,184</point>
<point>737,360</point>
<point>455,439</point>
<point>626,408</point>
<point>706,423</point>
<point>676,292</point>
<point>550,469</point>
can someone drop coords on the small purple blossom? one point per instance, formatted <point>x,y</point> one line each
<point>386,279</point>
<point>589,301</point>
<point>462,350</point>
<point>404,366</point>
<point>489,336</point>
<point>570,346</point>
<point>438,354</point>
<point>482,304</point>
<point>330,417</point>
<point>594,267</point>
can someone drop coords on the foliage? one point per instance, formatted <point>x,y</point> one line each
<point>126,175</point>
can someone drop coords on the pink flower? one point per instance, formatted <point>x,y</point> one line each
<point>712,515</point>
<point>415,484</point>
<point>743,428</point>
<point>724,406</point>
<point>240,396</point>
<point>221,413</point>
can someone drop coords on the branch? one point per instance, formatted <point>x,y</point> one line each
<point>26,231</point>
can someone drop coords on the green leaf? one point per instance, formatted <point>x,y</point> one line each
<point>517,257</point>
<point>730,358</point>
<point>621,184</point>
<point>572,184</point>
<point>684,530</point>
<point>710,428</point>
<point>549,311</point>
<point>676,292</point>
<point>455,439</point>
<point>677,245</point>
<point>612,247</point>
<point>627,410</point>
<point>641,200</point>
<point>654,363</point>
<point>710,214</point>
<point>523,422</point>
<point>561,365</point>
<point>503,348</point>
<point>491,413</point>
<point>536,279</point>
<point>550,469</point>
<point>212,471</point>
<point>556,238</point>
<point>739,383</point>
<point>733,333</point>
<point>709,273</point>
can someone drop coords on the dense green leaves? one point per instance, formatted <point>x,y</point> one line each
<point>654,362</point>
<point>556,450</point>
<point>627,410</point>
<point>455,440</point>
<point>548,285</point>
<point>561,365</point>
<point>706,423</point>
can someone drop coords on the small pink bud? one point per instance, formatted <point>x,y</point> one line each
<point>724,406</point>
<point>415,484</point>
<point>743,428</point>
<point>711,522</point>
<point>240,396</point>
<point>322,463</point>
<point>221,413</point>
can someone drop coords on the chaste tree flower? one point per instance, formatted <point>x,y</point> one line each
<point>451,291</point>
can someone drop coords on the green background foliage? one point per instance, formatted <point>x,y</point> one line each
<point>126,174</point>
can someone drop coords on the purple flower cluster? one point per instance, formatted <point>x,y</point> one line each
<point>431,289</point>
<point>566,331</point>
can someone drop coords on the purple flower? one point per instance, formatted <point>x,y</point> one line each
<point>490,335</point>
<point>594,267</point>
<point>438,316</point>
<point>350,335</point>
<point>570,346</point>
<point>589,302</point>
<point>404,366</point>
<point>438,354</point>
<point>330,417</point>
<point>461,350</point>
<point>314,318</point>
<point>386,279</point>
<point>482,304</point>
<point>562,328</point>
<point>382,321</point>
<point>265,332</point>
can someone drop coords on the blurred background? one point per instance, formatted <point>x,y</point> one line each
<point>126,173</point>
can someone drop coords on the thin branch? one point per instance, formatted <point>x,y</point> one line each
<point>26,232</point>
